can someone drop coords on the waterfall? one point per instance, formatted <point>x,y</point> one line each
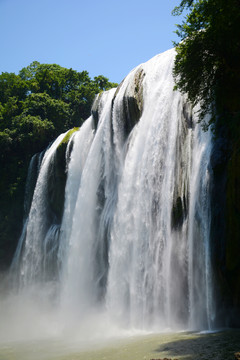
<point>37,239</point>
<point>33,171</point>
<point>133,239</point>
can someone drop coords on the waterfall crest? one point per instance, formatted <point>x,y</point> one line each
<point>133,241</point>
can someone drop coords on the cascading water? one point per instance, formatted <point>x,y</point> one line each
<point>33,171</point>
<point>134,236</point>
<point>154,272</point>
<point>38,232</point>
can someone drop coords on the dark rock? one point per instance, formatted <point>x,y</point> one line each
<point>178,213</point>
<point>132,101</point>
<point>95,110</point>
<point>57,180</point>
<point>225,228</point>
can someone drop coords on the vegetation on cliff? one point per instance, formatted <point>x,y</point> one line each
<point>207,65</point>
<point>36,105</point>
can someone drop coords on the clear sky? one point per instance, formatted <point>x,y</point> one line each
<point>104,37</point>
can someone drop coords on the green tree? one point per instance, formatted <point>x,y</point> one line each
<point>207,65</point>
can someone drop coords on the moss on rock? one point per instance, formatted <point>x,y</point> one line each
<point>67,137</point>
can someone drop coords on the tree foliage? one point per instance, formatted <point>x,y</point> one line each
<point>36,105</point>
<point>41,102</point>
<point>207,65</point>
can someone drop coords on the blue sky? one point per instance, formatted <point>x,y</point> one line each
<point>104,37</point>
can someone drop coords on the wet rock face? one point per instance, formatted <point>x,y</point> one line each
<point>225,228</point>
<point>56,185</point>
<point>178,212</point>
<point>96,110</point>
<point>181,188</point>
<point>233,226</point>
<point>133,101</point>
<point>57,179</point>
<point>233,210</point>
